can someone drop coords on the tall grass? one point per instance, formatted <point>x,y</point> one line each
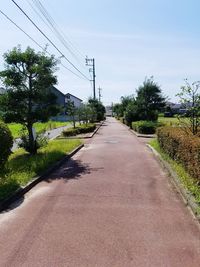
<point>22,167</point>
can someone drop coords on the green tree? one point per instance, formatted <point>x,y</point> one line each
<point>72,111</point>
<point>98,109</point>
<point>149,100</point>
<point>28,76</point>
<point>190,99</point>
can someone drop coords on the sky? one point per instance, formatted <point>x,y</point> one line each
<point>130,40</point>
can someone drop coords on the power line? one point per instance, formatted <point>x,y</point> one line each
<point>52,25</point>
<point>21,29</point>
<point>8,18</point>
<point>49,40</point>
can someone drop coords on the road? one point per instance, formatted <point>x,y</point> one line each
<point>111,205</point>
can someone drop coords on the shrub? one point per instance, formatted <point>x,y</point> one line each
<point>182,147</point>
<point>6,143</point>
<point>82,129</point>
<point>40,141</point>
<point>145,127</point>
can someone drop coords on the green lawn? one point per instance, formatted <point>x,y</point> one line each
<point>16,128</point>
<point>168,121</point>
<point>189,183</point>
<point>171,121</point>
<point>22,167</point>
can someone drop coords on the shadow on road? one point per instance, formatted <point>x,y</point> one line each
<point>73,169</point>
<point>13,206</point>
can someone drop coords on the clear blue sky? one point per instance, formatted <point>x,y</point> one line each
<point>129,39</point>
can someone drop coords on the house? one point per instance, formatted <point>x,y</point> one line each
<point>77,101</point>
<point>60,97</point>
<point>2,91</point>
<point>62,100</point>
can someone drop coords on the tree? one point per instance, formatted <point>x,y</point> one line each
<point>98,109</point>
<point>71,111</point>
<point>190,99</point>
<point>28,76</point>
<point>6,143</point>
<point>131,113</point>
<point>149,100</point>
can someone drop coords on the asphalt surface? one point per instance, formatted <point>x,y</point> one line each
<point>110,205</point>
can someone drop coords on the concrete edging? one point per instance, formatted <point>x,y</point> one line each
<point>186,196</point>
<point>84,137</point>
<point>21,191</point>
<point>138,134</point>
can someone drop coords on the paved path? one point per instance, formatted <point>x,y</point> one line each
<point>111,205</point>
<point>51,134</point>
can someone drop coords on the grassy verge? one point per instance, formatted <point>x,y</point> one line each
<point>189,183</point>
<point>22,167</point>
<point>16,128</point>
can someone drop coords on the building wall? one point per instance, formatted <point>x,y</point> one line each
<point>77,102</point>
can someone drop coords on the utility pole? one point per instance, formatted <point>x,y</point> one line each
<point>100,95</point>
<point>91,63</point>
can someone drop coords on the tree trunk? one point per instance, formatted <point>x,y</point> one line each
<point>32,142</point>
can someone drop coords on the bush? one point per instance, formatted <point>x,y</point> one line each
<point>145,127</point>
<point>82,129</point>
<point>182,147</point>
<point>41,141</point>
<point>6,143</point>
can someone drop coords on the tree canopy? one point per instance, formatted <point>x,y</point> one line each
<point>27,77</point>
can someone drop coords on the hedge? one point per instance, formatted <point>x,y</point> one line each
<point>82,129</point>
<point>145,127</point>
<point>6,143</point>
<point>182,147</point>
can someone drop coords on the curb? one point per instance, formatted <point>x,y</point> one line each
<point>142,135</point>
<point>138,134</point>
<point>186,196</point>
<point>21,191</point>
<point>84,137</point>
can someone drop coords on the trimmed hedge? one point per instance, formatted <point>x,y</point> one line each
<point>82,129</point>
<point>6,143</point>
<point>182,147</point>
<point>145,127</point>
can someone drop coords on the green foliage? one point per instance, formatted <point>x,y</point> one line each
<point>22,167</point>
<point>28,76</point>
<point>145,127</point>
<point>182,147</point>
<point>190,99</point>
<point>6,143</point>
<point>72,111</point>
<point>149,100</point>
<point>82,129</point>
<point>98,110</point>
<point>145,106</point>
<point>131,113</point>
<point>189,183</point>
<point>40,141</point>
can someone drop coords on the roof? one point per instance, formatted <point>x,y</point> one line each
<point>54,88</point>
<point>68,94</point>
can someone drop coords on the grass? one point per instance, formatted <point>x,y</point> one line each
<point>22,167</point>
<point>16,128</point>
<point>169,121</point>
<point>189,183</point>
